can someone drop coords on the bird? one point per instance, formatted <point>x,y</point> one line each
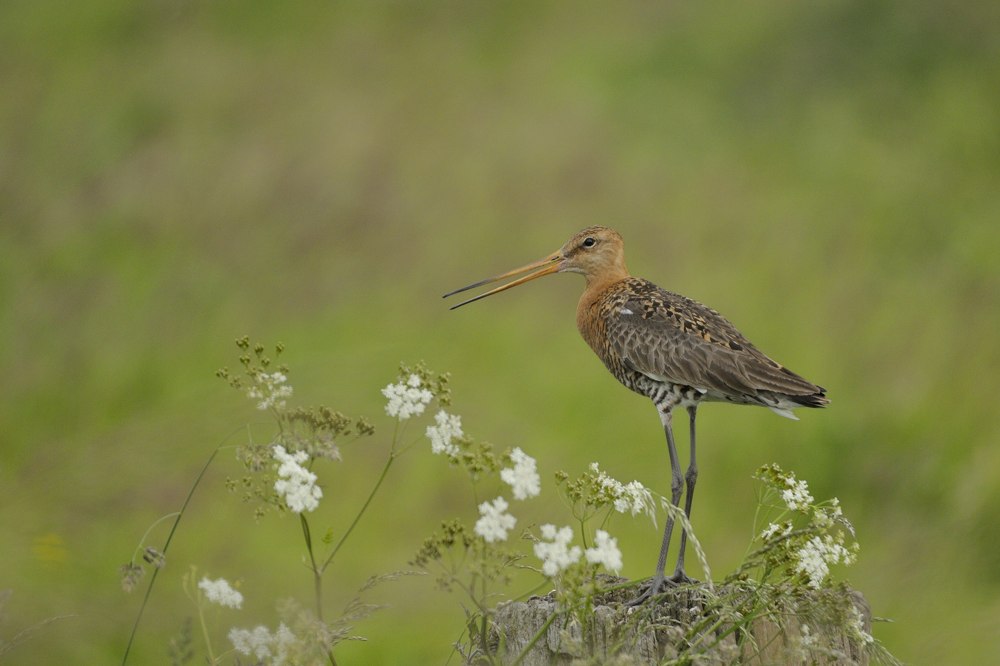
<point>667,347</point>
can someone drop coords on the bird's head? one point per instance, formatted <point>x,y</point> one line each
<point>596,252</point>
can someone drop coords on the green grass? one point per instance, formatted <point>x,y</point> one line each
<point>173,176</point>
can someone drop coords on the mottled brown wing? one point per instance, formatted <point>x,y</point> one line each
<point>670,337</point>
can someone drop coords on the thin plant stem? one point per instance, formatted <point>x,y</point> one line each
<point>364,507</point>
<point>25,634</point>
<point>204,631</point>
<point>533,591</point>
<point>583,532</point>
<point>317,574</point>
<point>484,617</point>
<point>317,579</point>
<point>469,590</point>
<point>150,529</point>
<point>166,545</point>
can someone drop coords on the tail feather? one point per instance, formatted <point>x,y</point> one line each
<point>787,413</point>
<point>817,399</point>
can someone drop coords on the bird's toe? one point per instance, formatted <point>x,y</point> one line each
<point>681,578</point>
<point>656,585</point>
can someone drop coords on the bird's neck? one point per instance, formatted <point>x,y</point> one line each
<point>598,283</point>
<point>597,287</point>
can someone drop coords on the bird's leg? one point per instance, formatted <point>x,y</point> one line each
<point>676,485</point>
<point>690,477</point>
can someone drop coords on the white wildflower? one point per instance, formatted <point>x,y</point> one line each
<point>772,530</point>
<point>632,497</point>
<point>494,521</point>
<point>221,592</point>
<point>262,644</point>
<point>553,552</point>
<point>822,518</point>
<point>635,498</point>
<point>856,626</point>
<point>605,551</point>
<point>826,516</point>
<point>296,484</point>
<point>269,390</point>
<point>815,557</point>
<point>810,561</point>
<point>796,496</point>
<point>851,555</point>
<point>522,477</point>
<point>406,399</point>
<point>448,427</point>
<point>256,642</point>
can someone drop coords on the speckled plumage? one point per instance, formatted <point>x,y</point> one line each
<point>667,347</point>
<point>652,339</point>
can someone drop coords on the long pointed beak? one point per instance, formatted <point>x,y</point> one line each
<point>550,264</point>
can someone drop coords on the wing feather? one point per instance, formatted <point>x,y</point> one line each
<point>670,337</point>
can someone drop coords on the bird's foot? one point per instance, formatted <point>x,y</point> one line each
<point>681,578</point>
<point>656,585</point>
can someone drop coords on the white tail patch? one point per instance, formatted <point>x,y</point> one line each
<point>787,413</point>
<point>625,311</point>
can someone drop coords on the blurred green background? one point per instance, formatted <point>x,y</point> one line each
<point>176,174</point>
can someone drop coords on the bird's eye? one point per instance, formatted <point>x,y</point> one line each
<point>589,242</point>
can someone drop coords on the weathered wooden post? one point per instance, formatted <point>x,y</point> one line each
<point>746,627</point>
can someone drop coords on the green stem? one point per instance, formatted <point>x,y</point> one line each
<point>317,579</point>
<point>166,545</point>
<point>607,517</point>
<point>484,617</point>
<point>364,507</point>
<point>317,574</point>
<point>204,631</point>
<point>470,592</point>
<point>583,533</point>
<point>150,529</point>
<point>533,591</point>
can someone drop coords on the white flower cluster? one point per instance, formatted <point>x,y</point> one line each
<point>264,646</point>
<point>221,592</point>
<point>815,557</point>
<point>796,495</point>
<point>269,390</point>
<point>632,497</point>
<point>856,626</point>
<point>605,552</point>
<point>827,516</point>
<point>773,530</point>
<point>406,400</point>
<point>522,477</point>
<point>295,483</point>
<point>494,521</point>
<point>449,426</point>
<point>555,552</point>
